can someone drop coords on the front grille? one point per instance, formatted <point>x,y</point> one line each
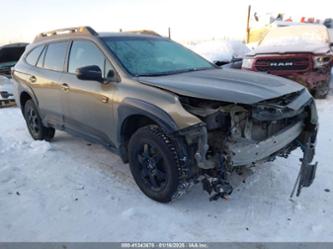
<point>283,63</point>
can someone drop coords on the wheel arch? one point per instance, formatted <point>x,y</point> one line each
<point>134,114</point>
<point>24,93</point>
<point>24,97</point>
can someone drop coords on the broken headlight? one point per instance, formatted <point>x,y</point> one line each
<point>322,60</point>
<point>211,112</point>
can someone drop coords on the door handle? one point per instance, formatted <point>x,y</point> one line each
<point>32,79</point>
<point>65,87</point>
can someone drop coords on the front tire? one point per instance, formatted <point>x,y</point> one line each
<point>35,126</point>
<point>154,164</point>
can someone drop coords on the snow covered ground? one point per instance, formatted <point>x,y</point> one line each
<point>71,190</point>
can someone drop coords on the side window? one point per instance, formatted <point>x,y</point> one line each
<point>34,55</point>
<point>40,62</point>
<point>85,53</point>
<point>55,56</point>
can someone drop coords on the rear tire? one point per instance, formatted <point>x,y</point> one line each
<point>154,164</point>
<point>35,126</point>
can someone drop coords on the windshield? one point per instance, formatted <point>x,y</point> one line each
<point>150,56</point>
<point>302,34</point>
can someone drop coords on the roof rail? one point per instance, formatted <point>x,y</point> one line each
<point>144,32</point>
<point>82,30</point>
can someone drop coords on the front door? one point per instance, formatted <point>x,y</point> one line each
<point>88,104</point>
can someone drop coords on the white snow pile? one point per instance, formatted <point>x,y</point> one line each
<point>297,38</point>
<point>220,50</point>
<point>291,41</point>
<point>311,35</point>
<point>40,147</point>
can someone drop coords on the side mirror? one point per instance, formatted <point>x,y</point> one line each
<point>89,73</point>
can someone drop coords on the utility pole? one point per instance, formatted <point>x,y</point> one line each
<point>248,24</point>
<point>169,33</point>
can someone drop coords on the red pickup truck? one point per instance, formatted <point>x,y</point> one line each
<point>302,53</point>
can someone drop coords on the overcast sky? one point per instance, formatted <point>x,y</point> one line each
<point>21,20</point>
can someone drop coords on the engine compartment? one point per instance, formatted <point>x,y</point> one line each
<point>230,127</point>
<point>233,136</point>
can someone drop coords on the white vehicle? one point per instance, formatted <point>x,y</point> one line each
<point>9,55</point>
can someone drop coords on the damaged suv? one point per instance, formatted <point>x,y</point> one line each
<point>302,53</point>
<point>175,117</point>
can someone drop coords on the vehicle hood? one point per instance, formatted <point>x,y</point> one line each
<point>228,85</point>
<point>319,48</point>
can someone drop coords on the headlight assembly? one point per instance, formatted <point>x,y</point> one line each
<point>322,60</point>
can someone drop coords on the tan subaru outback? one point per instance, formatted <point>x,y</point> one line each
<point>175,117</point>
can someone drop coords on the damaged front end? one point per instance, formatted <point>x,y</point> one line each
<point>232,136</point>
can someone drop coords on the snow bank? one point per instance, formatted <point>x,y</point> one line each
<point>304,35</point>
<point>40,147</point>
<point>220,50</point>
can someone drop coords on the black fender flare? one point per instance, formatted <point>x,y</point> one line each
<point>130,107</point>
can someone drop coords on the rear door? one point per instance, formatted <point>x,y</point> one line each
<point>45,80</point>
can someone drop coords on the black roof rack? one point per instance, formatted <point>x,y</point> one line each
<point>86,30</point>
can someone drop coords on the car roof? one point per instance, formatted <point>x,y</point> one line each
<point>86,31</point>
<point>126,34</point>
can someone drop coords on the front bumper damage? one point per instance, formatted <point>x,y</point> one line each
<point>307,171</point>
<point>215,168</point>
<point>311,80</point>
<point>247,153</point>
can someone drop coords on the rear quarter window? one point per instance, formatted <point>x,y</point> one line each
<point>33,55</point>
<point>55,56</point>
